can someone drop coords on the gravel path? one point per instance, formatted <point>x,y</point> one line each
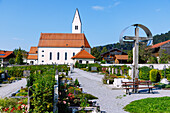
<point>108,101</point>
<point>8,89</point>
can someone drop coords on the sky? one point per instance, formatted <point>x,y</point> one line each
<point>22,21</point>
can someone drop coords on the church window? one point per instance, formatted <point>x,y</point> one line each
<point>58,56</point>
<point>76,27</point>
<point>42,60</point>
<point>50,55</point>
<point>65,55</point>
<point>42,50</point>
<point>73,53</point>
<point>42,55</point>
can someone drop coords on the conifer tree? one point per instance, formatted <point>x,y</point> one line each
<point>19,57</point>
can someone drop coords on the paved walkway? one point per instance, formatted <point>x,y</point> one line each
<point>108,101</point>
<point>7,89</point>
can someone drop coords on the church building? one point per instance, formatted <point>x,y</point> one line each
<point>60,48</point>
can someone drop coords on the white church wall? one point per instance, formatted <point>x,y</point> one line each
<point>35,62</point>
<point>55,50</point>
<point>90,61</point>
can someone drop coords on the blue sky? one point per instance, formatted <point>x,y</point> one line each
<point>22,21</point>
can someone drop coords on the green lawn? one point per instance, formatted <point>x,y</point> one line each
<point>149,105</point>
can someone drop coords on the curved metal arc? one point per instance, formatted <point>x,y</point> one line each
<point>147,31</point>
<point>121,35</point>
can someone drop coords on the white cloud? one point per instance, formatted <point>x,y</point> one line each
<point>98,8</point>
<point>17,39</point>
<point>157,10</point>
<point>116,4</point>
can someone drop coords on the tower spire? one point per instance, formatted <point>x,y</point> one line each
<point>76,24</point>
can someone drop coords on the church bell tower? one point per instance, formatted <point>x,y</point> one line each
<point>76,24</point>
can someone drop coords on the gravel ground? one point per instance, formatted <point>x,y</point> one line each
<point>108,98</point>
<point>7,89</point>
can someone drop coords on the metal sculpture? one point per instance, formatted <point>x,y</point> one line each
<point>136,40</point>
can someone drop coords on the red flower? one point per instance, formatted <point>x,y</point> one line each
<point>69,94</point>
<point>19,107</point>
<point>12,109</point>
<point>6,109</point>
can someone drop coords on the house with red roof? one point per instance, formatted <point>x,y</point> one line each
<point>157,47</point>
<point>83,57</point>
<point>59,48</point>
<point>115,56</point>
<point>32,57</point>
<point>5,56</point>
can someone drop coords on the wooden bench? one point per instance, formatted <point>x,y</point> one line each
<point>136,85</point>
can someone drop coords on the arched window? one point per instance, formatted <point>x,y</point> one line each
<point>73,53</point>
<point>50,55</point>
<point>65,55</point>
<point>58,56</point>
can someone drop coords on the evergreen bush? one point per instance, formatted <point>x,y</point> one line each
<point>154,75</point>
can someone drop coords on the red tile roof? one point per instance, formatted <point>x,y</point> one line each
<point>33,50</point>
<point>159,44</point>
<point>84,55</point>
<point>4,54</point>
<point>63,40</point>
<point>32,57</point>
<point>121,57</point>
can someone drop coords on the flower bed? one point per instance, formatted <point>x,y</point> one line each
<point>13,105</point>
<point>71,95</point>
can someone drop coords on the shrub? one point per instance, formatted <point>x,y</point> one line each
<point>12,60</point>
<point>144,73</point>
<point>154,75</point>
<point>99,67</point>
<point>129,77</point>
<point>82,65</point>
<point>103,62</point>
<point>76,83</point>
<point>168,77</point>
<point>76,64</point>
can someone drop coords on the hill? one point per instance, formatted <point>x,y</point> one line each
<point>156,39</point>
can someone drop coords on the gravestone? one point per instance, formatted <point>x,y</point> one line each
<point>116,71</point>
<point>109,70</point>
<point>3,75</point>
<point>26,73</point>
<point>93,68</point>
<point>121,72</point>
<point>112,70</point>
<point>103,69</point>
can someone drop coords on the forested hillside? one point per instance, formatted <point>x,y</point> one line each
<point>161,38</point>
<point>156,39</point>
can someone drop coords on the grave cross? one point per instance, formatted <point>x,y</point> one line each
<point>136,39</point>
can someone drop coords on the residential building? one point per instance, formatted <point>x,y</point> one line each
<point>32,58</point>
<point>115,56</point>
<point>5,56</point>
<point>160,46</point>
